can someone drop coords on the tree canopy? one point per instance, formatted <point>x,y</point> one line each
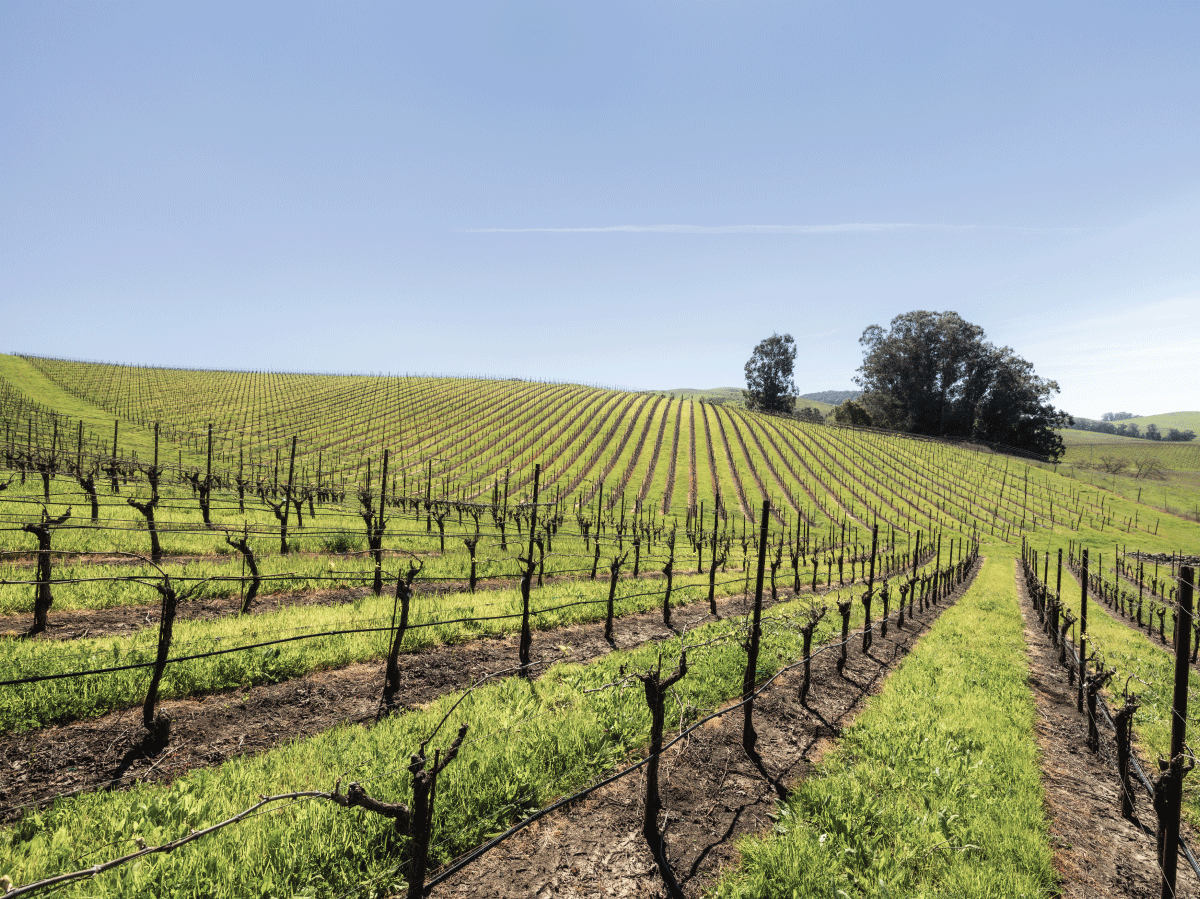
<point>934,373</point>
<point>851,413</point>
<point>769,383</point>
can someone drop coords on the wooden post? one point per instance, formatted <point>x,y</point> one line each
<point>376,535</point>
<point>750,676</point>
<point>867,635</point>
<point>527,577</point>
<point>669,572</point>
<point>287,501</point>
<point>1083,604</point>
<point>1168,791</point>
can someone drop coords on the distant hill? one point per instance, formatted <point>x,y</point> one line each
<point>1076,437</point>
<point>711,395</point>
<point>1183,421</point>
<point>832,397</point>
<point>735,396</point>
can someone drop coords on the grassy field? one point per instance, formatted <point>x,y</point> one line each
<point>736,395</point>
<point>1163,476</point>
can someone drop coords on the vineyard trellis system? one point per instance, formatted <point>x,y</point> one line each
<point>389,487</point>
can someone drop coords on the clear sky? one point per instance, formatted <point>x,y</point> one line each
<point>630,194</point>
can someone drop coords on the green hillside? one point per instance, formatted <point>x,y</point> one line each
<point>710,395</point>
<point>1184,421</point>
<point>477,441</point>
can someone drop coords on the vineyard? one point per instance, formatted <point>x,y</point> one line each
<point>276,634</point>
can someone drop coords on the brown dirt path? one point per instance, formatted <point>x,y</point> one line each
<point>712,791</point>
<point>1098,853</point>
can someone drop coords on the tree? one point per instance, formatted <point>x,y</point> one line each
<point>851,413</point>
<point>769,384</point>
<point>1152,432</point>
<point>934,373</point>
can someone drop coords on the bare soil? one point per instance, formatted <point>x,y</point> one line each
<point>1098,853</point>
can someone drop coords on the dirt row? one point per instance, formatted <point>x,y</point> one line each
<point>1097,852</point>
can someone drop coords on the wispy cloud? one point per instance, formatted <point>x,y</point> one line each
<point>842,228</point>
<point>847,228</point>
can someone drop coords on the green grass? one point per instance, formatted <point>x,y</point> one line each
<point>1173,487</point>
<point>471,432</point>
<point>312,564</point>
<point>935,790</point>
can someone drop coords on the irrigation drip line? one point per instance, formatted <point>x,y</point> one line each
<point>234,560</point>
<point>478,738</point>
<point>292,639</point>
<point>334,575</point>
<point>181,645</point>
<point>247,647</point>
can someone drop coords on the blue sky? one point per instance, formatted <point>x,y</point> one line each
<point>630,194</point>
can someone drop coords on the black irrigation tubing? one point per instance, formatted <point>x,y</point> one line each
<point>533,612</point>
<point>292,639</point>
<point>280,576</point>
<point>265,529</point>
<point>187,559</point>
<point>335,575</point>
<point>217,652</point>
<point>476,853</point>
<point>647,557</point>
<point>207,641</point>
<point>377,773</point>
<point>61,675</point>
